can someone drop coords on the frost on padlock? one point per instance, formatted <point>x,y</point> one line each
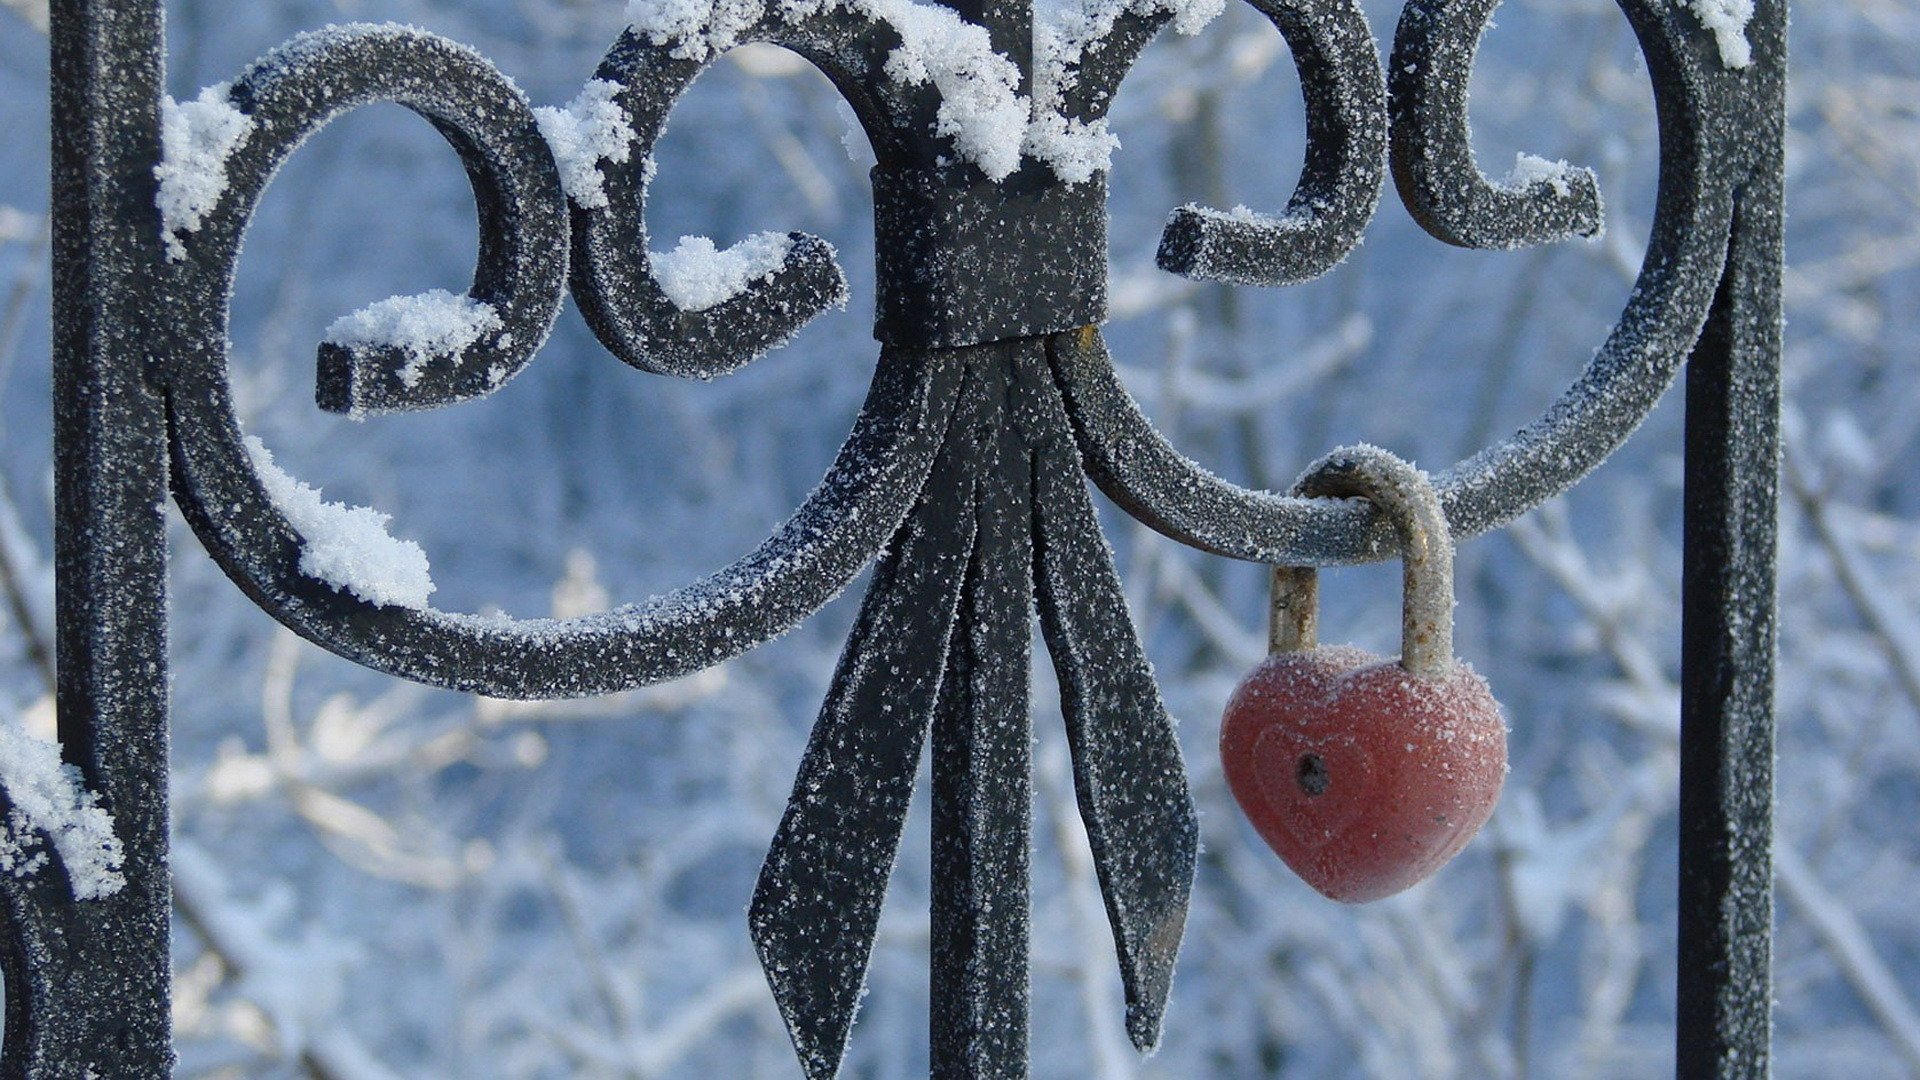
<point>1367,774</point>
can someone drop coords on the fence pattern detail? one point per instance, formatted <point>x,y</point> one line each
<point>993,401</point>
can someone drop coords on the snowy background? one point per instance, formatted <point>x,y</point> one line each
<point>377,879</point>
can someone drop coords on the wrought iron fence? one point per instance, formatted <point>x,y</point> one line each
<point>992,399</point>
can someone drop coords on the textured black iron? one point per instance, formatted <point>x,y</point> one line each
<point>1729,625</point>
<point>88,981</point>
<point>297,89</point>
<point>1705,139</point>
<point>964,260</point>
<point>817,905</point>
<point>612,278</point>
<point>1127,773</point>
<point>982,762</point>
<point>993,397</point>
<point>1339,186</point>
<point>1729,635</point>
<point>1433,153</point>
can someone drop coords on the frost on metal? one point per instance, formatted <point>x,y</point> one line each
<point>696,276</point>
<point>1405,495</point>
<point>347,547</point>
<point>1063,32</point>
<point>1003,525</point>
<point>980,107</point>
<point>431,325</point>
<point>49,798</point>
<point>588,130</point>
<point>196,139</point>
<point>965,472</point>
<point>1530,169</point>
<point>1727,20</point>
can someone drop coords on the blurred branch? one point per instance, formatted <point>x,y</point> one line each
<point>1846,941</point>
<point>13,313</point>
<point>1305,366</point>
<point>28,589</point>
<point>33,11</point>
<point>1093,956</point>
<point>245,948</point>
<point>1836,928</point>
<point>1898,639</point>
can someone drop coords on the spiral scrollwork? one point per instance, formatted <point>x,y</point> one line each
<point>288,95</point>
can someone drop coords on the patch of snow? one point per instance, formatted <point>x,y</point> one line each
<point>433,323</point>
<point>49,797</point>
<point>347,547</point>
<point>1727,19</point>
<point>1529,170</point>
<point>980,109</point>
<point>196,139</point>
<point>1077,151</point>
<point>586,131</point>
<point>1244,213</point>
<point>697,276</point>
<point>853,139</point>
<point>695,28</point>
<point>1062,31</point>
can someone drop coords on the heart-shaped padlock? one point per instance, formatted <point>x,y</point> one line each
<point>1366,774</point>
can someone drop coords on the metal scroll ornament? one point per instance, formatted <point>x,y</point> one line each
<point>992,400</point>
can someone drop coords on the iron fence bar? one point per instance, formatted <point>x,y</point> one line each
<point>1728,634</point>
<point>1729,621</point>
<point>983,763</point>
<point>88,980</point>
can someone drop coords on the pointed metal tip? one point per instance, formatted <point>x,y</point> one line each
<point>1147,972</point>
<point>1150,939</point>
<point>818,1019</point>
<point>811,1001</point>
<point>1143,1025</point>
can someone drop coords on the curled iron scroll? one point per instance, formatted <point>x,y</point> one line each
<point>294,91</point>
<point>1700,167</point>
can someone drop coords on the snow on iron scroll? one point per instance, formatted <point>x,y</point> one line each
<point>1365,774</point>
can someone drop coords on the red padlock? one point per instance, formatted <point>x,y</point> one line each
<point>1366,774</point>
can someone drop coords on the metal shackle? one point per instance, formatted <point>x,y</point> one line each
<point>1407,497</point>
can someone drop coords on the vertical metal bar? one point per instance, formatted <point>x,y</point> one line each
<point>982,767</point>
<point>97,992</point>
<point>1728,621</point>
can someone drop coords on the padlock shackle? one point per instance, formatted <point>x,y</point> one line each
<point>1407,497</point>
<point>1293,614</point>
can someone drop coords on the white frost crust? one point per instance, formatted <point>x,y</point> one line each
<point>697,276</point>
<point>1727,19</point>
<point>432,323</point>
<point>196,139</point>
<point>1062,30</point>
<point>1291,219</point>
<point>347,547</point>
<point>586,131</point>
<point>1529,170</point>
<point>695,28</point>
<point>981,110</point>
<point>48,796</point>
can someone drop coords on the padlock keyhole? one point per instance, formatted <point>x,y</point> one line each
<point>1312,774</point>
